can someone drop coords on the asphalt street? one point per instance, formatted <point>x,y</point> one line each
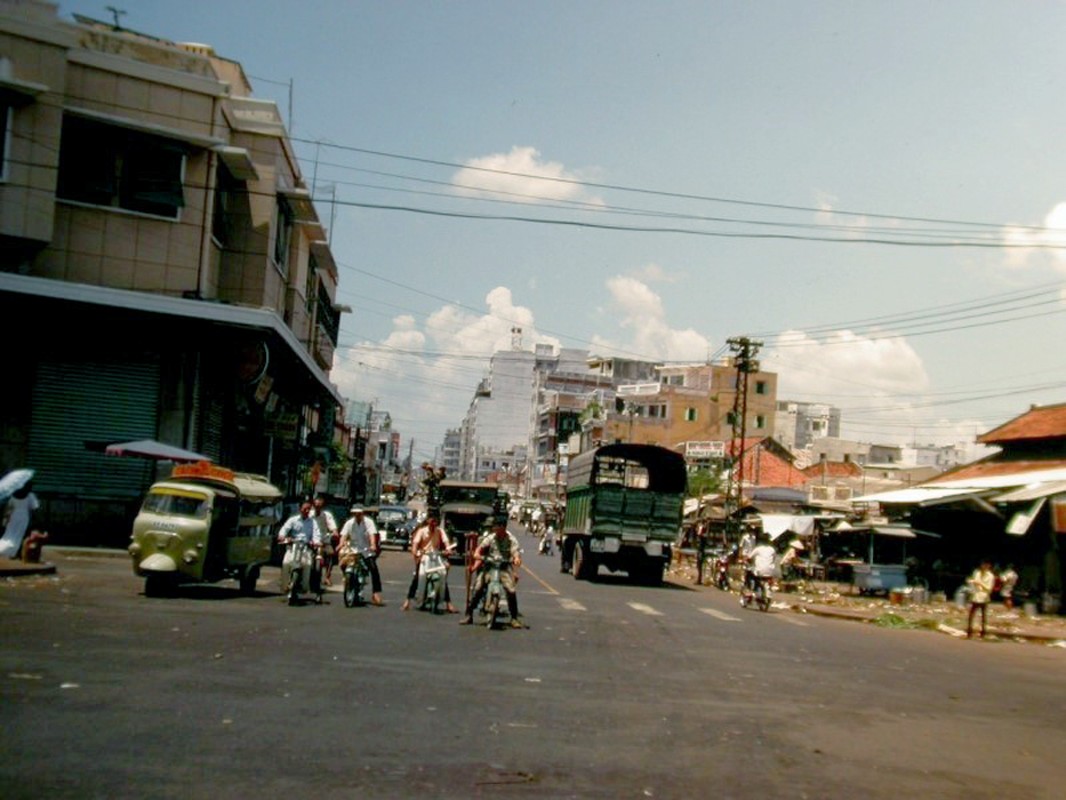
<point>615,690</point>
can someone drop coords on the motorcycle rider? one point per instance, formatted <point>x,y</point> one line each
<point>360,535</point>
<point>327,527</point>
<point>429,537</point>
<point>301,525</point>
<point>761,563</point>
<point>499,545</point>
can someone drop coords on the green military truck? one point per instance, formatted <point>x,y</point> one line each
<point>624,506</point>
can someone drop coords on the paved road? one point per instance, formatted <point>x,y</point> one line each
<point>615,691</point>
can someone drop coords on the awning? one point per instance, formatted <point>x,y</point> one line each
<point>151,449</point>
<point>778,524</point>
<point>919,495</point>
<point>238,161</point>
<point>264,319</point>
<point>1033,491</point>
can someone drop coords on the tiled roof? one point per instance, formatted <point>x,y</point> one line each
<point>834,469</point>
<point>1041,422</point>
<point>764,468</point>
<point>990,468</point>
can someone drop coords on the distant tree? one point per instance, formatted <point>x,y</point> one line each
<point>703,481</point>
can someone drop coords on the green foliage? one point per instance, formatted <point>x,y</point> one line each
<point>703,481</point>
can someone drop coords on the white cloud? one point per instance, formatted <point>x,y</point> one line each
<point>878,383</point>
<point>1029,244</point>
<point>522,173</point>
<point>425,374</point>
<point>638,312</point>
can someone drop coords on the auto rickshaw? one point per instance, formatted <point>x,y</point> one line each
<point>204,524</point>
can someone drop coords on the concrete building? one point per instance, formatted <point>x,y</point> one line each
<point>797,425</point>
<point>690,408</point>
<point>162,269</point>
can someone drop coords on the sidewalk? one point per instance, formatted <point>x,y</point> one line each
<point>841,601</point>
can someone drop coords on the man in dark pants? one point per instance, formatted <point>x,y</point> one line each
<point>499,545</point>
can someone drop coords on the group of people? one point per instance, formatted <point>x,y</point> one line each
<point>359,537</point>
<point>316,525</point>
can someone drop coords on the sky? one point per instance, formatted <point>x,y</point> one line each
<point>876,191</point>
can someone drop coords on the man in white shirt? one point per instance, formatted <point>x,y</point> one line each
<point>299,526</point>
<point>327,529</point>
<point>361,535</point>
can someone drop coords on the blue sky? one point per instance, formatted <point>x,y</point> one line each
<point>723,122</point>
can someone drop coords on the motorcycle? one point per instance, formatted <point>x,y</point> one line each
<point>356,577</point>
<point>761,594</point>
<point>305,570</point>
<point>721,571</point>
<point>433,572</point>
<point>495,594</point>
<point>546,547</point>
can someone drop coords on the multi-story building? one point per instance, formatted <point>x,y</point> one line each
<point>797,425</point>
<point>163,272</point>
<point>690,408</point>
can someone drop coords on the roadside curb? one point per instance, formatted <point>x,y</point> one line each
<point>16,569</point>
<point>861,616</point>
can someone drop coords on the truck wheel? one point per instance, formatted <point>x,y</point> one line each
<point>651,573</point>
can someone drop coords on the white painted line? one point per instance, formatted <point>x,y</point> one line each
<point>724,617</point>
<point>791,620</point>
<point>571,605</point>
<point>643,609</point>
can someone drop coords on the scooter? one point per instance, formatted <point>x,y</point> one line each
<point>721,571</point>
<point>433,571</point>
<point>495,594</point>
<point>546,547</point>
<point>304,562</point>
<point>356,577</point>
<point>761,595</point>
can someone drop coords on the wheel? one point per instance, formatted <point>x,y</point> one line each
<point>764,600</point>
<point>249,578</point>
<point>294,588</point>
<point>157,586</point>
<point>492,609</point>
<point>579,562</point>
<point>650,573</point>
<point>351,590</point>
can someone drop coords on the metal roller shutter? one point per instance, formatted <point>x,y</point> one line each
<point>100,401</point>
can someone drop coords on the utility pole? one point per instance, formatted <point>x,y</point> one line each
<point>744,352</point>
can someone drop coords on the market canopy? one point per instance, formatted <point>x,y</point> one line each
<point>149,448</point>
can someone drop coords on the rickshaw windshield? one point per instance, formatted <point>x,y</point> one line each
<point>182,504</point>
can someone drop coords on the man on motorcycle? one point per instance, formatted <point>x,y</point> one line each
<point>761,563</point>
<point>360,535</point>
<point>327,528</point>
<point>500,545</point>
<point>429,537</point>
<point>298,526</point>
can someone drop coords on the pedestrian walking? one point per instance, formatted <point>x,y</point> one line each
<point>981,584</point>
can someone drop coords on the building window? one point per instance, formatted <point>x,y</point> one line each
<point>761,388</point>
<point>690,415</point>
<point>106,165</point>
<point>222,218</point>
<point>282,235</point>
<point>760,422</point>
<point>6,114</point>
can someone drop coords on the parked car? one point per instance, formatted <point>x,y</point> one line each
<point>394,526</point>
